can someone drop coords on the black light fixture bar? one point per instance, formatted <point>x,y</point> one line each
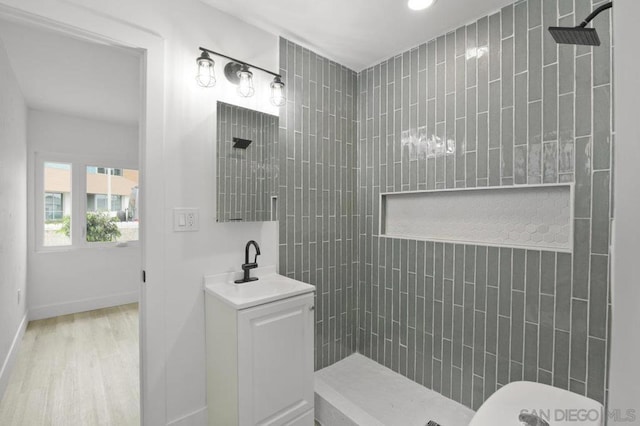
<point>213,52</point>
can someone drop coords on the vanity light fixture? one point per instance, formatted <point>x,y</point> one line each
<point>245,85</point>
<point>206,76</point>
<point>420,4</point>
<point>239,73</point>
<point>277,92</point>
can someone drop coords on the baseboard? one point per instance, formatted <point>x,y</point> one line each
<point>9,361</point>
<point>50,311</point>
<point>197,418</point>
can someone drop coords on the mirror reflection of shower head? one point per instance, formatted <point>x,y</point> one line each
<point>241,143</point>
<point>580,35</point>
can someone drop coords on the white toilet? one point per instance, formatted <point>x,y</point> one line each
<point>536,404</point>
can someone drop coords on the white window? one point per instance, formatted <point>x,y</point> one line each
<point>107,214</point>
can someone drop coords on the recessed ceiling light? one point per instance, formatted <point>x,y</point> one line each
<point>420,4</point>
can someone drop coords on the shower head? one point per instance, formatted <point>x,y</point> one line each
<point>575,35</point>
<point>580,35</point>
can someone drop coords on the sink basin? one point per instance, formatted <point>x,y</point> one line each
<point>269,287</point>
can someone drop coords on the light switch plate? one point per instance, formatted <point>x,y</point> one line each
<point>186,220</point>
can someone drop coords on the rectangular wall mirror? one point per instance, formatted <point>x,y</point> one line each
<point>247,145</point>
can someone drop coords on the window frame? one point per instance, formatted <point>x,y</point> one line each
<point>79,164</point>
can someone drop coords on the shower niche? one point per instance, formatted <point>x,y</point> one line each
<point>538,217</point>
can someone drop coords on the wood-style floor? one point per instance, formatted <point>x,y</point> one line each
<point>79,369</point>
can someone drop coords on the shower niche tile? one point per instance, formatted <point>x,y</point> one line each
<point>536,216</point>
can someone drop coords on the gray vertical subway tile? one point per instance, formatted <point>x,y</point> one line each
<point>520,164</point>
<point>479,343</point>
<point>534,158</point>
<point>517,326</point>
<point>493,266</point>
<point>504,346</point>
<point>519,260</point>
<point>530,352</point>
<point>596,374</point>
<point>565,7</point>
<point>549,19</point>
<point>566,148</point>
<point>602,55</point>
<point>598,296</point>
<point>495,45</point>
<point>563,292</point>
<point>472,54</point>
<point>582,8</point>
<point>481,278</point>
<point>507,72</point>
<point>533,286</point>
<point>446,368</point>
<point>467,376</point>
<point>581,258</point>
<point>600,213</point>
<point>583,178</point>
<point>546,330</point>
<point>482,158</point>
<point>561,359</point>
<point>451,81</point>
<point>507,21</point>
<point>566,61</point>
<point>583,104</point>
<point>471,120</point>
<point>483,81</point>
<point>578,361</point>
<point>521,31</point>
<point>490,377</point>
<point>495,109</point>
<point>521,110</point>
<point>535,13</point>
<point>492,320</point>
<point>507,142</point>
<point>505,281</point>
<point>478,392</point>
<point>548,273</point>
<point>550,104</point>
<point>535,64</point>
<point>601,127</point>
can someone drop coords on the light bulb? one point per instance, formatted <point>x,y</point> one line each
<point>277,92</point>
<point>420,4</point>
<point>205,77</point>
<point>245,85</point>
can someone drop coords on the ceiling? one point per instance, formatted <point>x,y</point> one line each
<point>59,73</point>
<point>357,33</point>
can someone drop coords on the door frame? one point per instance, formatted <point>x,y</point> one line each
<point>84,23</point>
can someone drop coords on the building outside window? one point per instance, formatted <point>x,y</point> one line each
<point>53,206</point>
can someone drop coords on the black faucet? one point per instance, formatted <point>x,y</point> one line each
<point>246,266</point>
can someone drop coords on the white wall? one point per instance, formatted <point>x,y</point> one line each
<point>189,165</point>
<point>79,279</point>
<point>13,216</point>
<point>624,382</point>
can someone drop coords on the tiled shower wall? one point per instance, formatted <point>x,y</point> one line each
<point>248,177</point>
<point>515,109</point>
<point>317,201</point>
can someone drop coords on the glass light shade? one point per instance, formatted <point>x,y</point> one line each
<point>277,92</point>
<point>245,85</point>
<point>420,4</point>
<point>205,77</point>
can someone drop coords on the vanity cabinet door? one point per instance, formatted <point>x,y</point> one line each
<point>275,362</point>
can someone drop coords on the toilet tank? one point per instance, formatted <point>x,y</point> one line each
<point>526,403</point>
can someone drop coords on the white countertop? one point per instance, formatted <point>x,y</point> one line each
<point>269,287</point>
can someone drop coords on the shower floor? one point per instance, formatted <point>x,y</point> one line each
<point>359,391</point>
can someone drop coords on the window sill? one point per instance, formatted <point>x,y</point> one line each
<point>88,246</point>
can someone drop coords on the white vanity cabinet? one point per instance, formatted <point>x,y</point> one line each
<point>260,353</point>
